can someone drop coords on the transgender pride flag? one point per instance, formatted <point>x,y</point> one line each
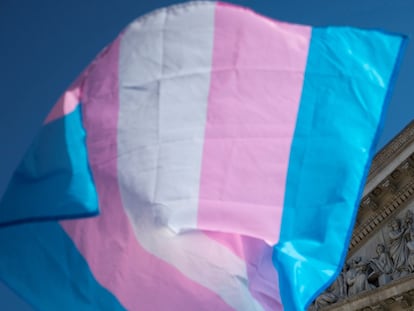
<point>224,153</point>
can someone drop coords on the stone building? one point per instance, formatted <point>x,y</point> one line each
<point>379,269</point>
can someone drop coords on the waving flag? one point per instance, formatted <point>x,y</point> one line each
<point>224,153</point>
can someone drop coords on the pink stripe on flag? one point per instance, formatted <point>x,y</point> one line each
<point>138,279</point>
<point>262,275</point>
<point>256,84</point>
<point>67,103</point>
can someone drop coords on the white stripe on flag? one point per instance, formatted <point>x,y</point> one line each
<point>163,103</point>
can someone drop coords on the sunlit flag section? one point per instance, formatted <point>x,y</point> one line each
<point>222,154</point>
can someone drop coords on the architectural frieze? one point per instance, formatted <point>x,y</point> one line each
<point>396,295</point>
<point>381,204</point>
<point>378,273</point>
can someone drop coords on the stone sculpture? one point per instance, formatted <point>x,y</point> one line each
<point>393,260</point>
<point>398,247</point>
<point>382,266</point>
<point>357,277</point>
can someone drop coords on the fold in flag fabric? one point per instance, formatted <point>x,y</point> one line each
<point>223,154</point>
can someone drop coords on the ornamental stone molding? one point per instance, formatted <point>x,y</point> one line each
<point>379,269</point>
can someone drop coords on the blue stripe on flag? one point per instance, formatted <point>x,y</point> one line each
<point>347,81</point>
<point>42,265</point>
<point>53,181</point>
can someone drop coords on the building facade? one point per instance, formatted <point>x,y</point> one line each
<point>378,273</point>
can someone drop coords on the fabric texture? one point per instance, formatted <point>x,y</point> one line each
<point>222,154</point>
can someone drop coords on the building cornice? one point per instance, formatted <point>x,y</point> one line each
<point>391,150</point>
<point>396,295</point>
<point>391,192</point>
<point>377,207</point>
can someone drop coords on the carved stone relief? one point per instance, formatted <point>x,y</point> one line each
<point>386,257</point>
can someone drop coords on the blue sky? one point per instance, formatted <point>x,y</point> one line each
<point>45,44</point>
